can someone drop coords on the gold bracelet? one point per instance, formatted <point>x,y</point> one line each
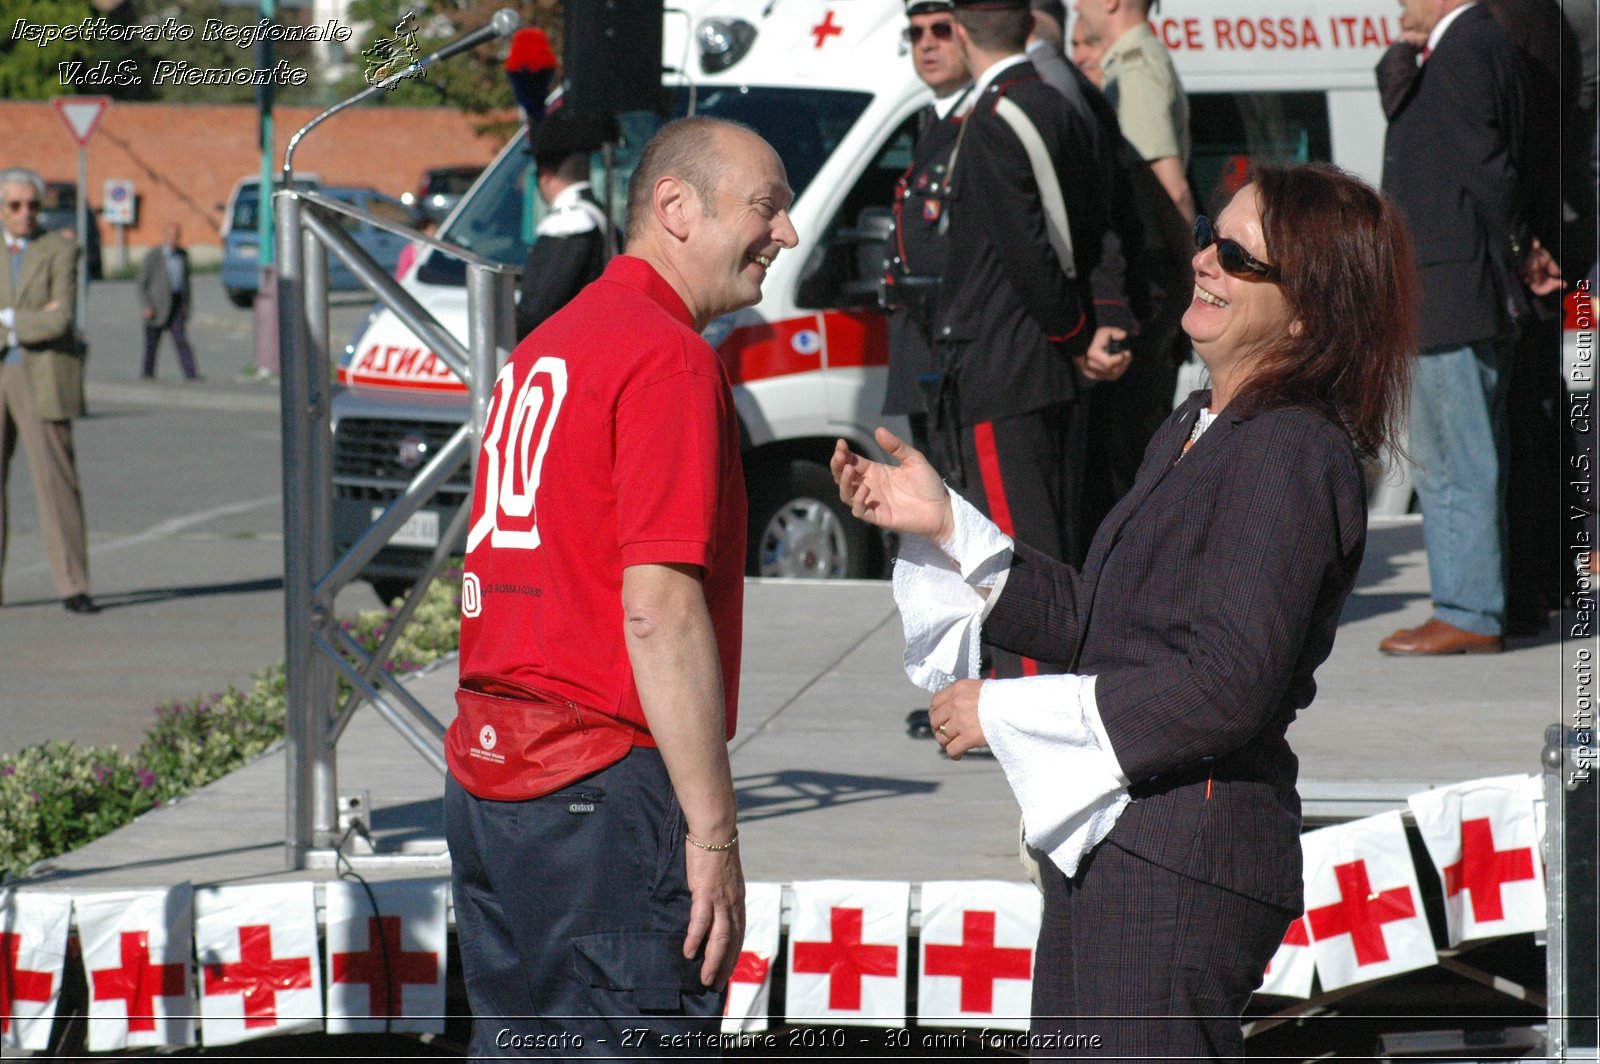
<point>713,847</point>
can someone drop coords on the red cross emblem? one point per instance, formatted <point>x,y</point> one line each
<point>825,29</point>
<point>386,966</point>
<point>1295,936</point>
<point>978,962</point>
<point>752,968</point>
<point>845,959</point>
<point>16,983</point>
<point>1483,868</point>
<point>138,982</point>
<point>258,976</point>
<point>1361,912</point>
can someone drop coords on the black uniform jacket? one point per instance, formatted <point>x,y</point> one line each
<point>570,251</point>
<point>1210,595</point>
<point>1450,163</point>
<point>1005,303</point>
<point>917,256</point>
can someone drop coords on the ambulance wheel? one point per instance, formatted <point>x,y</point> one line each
<point>241,297</point>
<point>799,528</point>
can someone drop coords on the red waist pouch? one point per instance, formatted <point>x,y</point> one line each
<point>511,742</point>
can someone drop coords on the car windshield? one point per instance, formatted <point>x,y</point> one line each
<point>804,125</point>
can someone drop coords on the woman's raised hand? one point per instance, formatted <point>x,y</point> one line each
<point>908,497</point>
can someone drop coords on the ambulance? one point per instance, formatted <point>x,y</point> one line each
<point>830,84</point>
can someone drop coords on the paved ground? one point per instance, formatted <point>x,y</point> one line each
<point>182,490</point>
<point>831,785</point>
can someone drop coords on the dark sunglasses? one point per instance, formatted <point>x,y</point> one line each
<point>22,204</point>
<point>1230,255</point>
<point>940,30</point>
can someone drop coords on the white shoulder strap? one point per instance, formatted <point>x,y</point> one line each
<point>1044,175</point>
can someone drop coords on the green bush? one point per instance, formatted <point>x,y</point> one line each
<point>56,797</point>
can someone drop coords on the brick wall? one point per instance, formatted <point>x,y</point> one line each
<point>185,159</point>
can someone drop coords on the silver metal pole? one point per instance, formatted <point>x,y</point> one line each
<point>303,735</point>
<point>388,290</point>
<point>80,314</point>
<point>318,491</point>
<point>491,313</point>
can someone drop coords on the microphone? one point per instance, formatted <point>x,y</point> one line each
<point>503,24</point>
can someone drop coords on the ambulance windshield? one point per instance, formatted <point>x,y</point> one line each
<point>497,219</point>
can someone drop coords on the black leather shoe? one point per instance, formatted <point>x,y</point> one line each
<point>79,604</point>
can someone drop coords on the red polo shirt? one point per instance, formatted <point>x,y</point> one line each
<point>611,441</point>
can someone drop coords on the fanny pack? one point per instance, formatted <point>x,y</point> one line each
<point>510,742</point>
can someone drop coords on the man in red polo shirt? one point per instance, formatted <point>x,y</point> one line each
<point>590,809</point>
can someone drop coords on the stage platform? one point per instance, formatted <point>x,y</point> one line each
<point>831,785</point>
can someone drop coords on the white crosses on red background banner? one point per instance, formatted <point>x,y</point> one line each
<point>750,987</point>
<point>847,952</point>
<point>1363,903</point>
<point>136,947</point>
<point>386,969</point>
<point>1290,972</point>
<point>1484,844</point>
<point>33,955</point>
<point>257,948</point>
<point>977,953</point>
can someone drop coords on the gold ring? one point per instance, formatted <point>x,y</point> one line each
<point>941,731</point>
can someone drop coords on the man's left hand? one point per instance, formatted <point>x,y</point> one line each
<point>1101,364</point>
<point>716,912</point>
<point>1541,272</point>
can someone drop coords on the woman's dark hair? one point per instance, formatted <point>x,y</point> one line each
<point>1348,277</point>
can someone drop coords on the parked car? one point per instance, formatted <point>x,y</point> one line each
<point>241,249</point>
<point>440,189</point>
<point>60,211</point>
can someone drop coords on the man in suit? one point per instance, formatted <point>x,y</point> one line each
<point>41,381</point>
<point>1143,283</point>
<point>1451,164</point>
<point>920,244</point>
<point>573,242</point>
<point>164,301</point>
<point>1015,318</point>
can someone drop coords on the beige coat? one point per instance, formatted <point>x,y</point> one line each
<point>51,349</point>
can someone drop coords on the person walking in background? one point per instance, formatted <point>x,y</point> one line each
<point>1451,165</point>
<point>164,302</point>
<point>41,382</point>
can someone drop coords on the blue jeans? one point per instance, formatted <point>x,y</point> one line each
<point>1458,452</point>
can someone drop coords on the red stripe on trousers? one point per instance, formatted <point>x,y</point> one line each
<point>994,490</point>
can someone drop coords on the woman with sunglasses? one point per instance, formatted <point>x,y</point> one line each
<point>1155,780</point>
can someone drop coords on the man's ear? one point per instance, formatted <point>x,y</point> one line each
<point>672,201</point>
<point>1296,327</point>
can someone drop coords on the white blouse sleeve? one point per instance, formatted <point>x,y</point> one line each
<point>1046,733</point>
<point>944,594</point>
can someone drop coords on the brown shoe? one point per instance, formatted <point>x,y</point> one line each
<point>1439,637</point>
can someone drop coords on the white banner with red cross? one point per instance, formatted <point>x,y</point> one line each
<point>386,968</point>
<point>1290,972</point>
<point>1363,902</point>
<point>978,938</point>
<point>847,953</point>
<point>1484,842</point>
<point>33,956</point>
<point>750,988</point>
<point>257,953</point>
<point>136,950</point>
